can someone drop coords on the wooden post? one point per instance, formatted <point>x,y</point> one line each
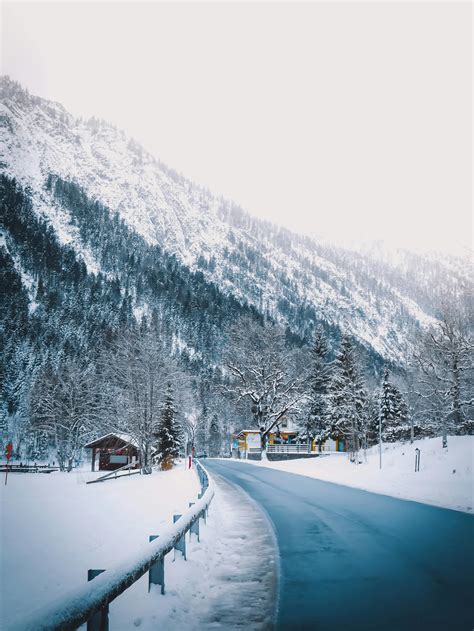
<point>156,574</point>
<point>93,458</point>
<point>100,620</point>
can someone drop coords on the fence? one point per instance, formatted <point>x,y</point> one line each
<point>112,475</point>
<point>24,468</point>
<point>289,449</point>
<point>90,602</point>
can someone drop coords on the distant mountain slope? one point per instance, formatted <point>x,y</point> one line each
<point>293,278</point>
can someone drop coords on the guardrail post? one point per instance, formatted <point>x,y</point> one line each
<point>204,511</point>
<point>100,620</point>
<point>156,573</point>
<point>195,526</point>
<point>181,543</point>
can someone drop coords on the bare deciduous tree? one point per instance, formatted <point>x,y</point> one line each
<point>64,402</point>
<point>138,369</point>
<point>445,368</point>
<point>263,373</point>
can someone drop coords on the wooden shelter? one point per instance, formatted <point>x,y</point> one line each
<point>115,450</point>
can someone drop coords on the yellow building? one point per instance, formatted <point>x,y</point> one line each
<point>247,444</point>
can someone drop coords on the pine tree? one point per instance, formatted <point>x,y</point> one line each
<point>202,433</point>
<point>317,423</point>
<point>169,433</point>
<point>393,412</point>
<point>388,416</point>
<point>347,399</point>
<point>215,437</point>
<point>3,424</point>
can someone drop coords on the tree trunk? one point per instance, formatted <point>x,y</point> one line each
<point>445,436</point>
<point>146,460</point>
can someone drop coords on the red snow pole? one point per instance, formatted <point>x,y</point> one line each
<point>8,455</point>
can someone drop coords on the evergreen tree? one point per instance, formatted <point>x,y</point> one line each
<point>316,423</point>
<point>215,437</point>
<point>3,424</point>
<point>202,433</point>
<point>393,412</point>
<point>347,399</point>
<point>169,433</point>
<point>388,411</point>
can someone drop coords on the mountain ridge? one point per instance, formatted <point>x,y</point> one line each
<point>291,277</point>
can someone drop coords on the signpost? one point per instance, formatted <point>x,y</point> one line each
<point>8,455</point>
<point>417,459</point>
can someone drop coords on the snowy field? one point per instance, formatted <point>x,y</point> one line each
<point>54,528</point>
<point>445,477</point>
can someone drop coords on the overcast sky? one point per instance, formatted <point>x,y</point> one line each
<point>353,121</point>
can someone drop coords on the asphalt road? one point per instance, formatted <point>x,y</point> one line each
<point>361,561</point>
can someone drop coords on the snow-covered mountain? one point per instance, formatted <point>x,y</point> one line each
<point>293,278</point>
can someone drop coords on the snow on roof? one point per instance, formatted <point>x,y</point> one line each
<point>247,431</point>
<point>129,440</point>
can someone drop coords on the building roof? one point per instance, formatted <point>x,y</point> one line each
<point>122,440</point>
<point>247,431</point>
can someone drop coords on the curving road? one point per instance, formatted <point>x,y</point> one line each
<point>361,561</point>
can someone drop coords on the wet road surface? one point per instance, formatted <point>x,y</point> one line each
<point>356,560</point>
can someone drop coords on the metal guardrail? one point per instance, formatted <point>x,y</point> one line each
<point>90,602</point>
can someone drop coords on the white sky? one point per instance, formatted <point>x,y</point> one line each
<point>353,121</point>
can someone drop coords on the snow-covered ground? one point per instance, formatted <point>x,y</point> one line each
<point>54,528</point>
<point>223,584</point>
<point>445,477</point>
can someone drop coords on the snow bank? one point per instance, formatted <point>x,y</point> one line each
<point>229,581</point>
<point>55,527</point>
<point>445,478</point>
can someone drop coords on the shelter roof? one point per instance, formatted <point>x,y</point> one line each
<point>113,439</point>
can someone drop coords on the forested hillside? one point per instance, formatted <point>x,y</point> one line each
<point>296,280</point>
<point>122,281</point>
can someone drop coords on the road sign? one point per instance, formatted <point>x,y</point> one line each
<point>8,451</point>
<point>8,455</point>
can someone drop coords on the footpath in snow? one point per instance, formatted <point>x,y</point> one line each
<point>445,477</point>
<point>55,527</point>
